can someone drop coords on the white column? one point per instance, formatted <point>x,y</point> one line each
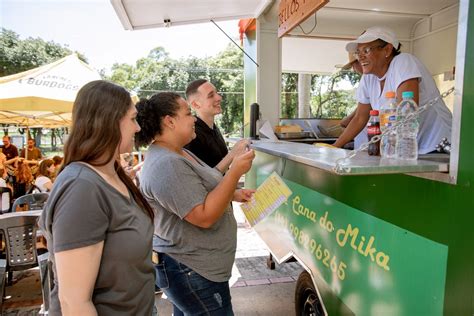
<point>269,70</point>
<point>304,95</point>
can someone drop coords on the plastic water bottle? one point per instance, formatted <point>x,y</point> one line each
<point>373,129</point>
<point>388,117</point>
<point>407,144</point>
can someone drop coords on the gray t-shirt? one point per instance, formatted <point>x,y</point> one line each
<point>174,185</point>
<point>82,210</point>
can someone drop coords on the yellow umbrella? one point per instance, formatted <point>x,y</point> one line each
<point>44,96</point>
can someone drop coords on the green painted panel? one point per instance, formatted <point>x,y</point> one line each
<point>375,267</point>
<point>437,211</point>
<point>466,152</point>
<point>250,77</point>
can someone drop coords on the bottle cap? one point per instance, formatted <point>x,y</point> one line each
<point>407,94</point>
<point>374,112</point>
<point>390,94</point>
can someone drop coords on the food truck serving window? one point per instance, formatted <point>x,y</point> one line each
<point>436,37</point>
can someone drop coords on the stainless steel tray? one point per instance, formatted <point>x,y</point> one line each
<point>294,135</point>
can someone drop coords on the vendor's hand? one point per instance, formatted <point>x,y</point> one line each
<point>242,163</point>
<point>243,195</point>
<point>240,147</point>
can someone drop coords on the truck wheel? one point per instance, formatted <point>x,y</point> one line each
<point>307,302</point>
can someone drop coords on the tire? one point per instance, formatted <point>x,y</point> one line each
<point>307,302</point>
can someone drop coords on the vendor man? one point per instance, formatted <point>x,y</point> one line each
<point>384,69</point>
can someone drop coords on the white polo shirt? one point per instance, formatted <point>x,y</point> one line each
<point>435,121</point>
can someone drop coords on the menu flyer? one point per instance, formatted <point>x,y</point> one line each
<point>272,193</point>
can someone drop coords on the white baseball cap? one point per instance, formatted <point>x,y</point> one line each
<point>372,34</point>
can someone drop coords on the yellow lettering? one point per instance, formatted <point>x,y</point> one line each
<point>353,233</point>
<point>369,249</point>
<point>296,201</point>
<point>338,239</point>
<point>382,260</point>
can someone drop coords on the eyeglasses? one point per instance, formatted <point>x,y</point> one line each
<point>366,50</point>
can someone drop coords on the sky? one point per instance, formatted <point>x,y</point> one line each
<point>91,27</point>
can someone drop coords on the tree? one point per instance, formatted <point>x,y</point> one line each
<point>158,72</point>
<point>228,78</point>
<point>18,55</point>
<point>289,95</point>
<point>327,101</point>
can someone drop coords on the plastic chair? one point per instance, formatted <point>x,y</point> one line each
<point>5,194</point>
<point>19,231</point>
<point>3,265</point>
<point>34,201</point>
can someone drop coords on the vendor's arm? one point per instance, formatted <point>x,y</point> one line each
<point>206,214</point>
<point>357,124</point>
<point>77,273</point>
<point>409,85</point>
<point>345,121</point>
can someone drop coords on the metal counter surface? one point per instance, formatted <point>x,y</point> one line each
<point>326,158</point>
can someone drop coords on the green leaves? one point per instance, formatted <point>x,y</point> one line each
<point>158,72</point>
<point>328,99</point>
<point>17,55</point>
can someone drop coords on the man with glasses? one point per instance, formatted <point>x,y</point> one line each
<point>384,69</point>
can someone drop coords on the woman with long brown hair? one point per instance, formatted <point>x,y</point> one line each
<point>23,178</point>
<point>98,226</point>
<point>43,180</point>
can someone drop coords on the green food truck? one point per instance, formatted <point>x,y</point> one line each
<point>374,237</point>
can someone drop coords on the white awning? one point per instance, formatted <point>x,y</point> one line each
<point>144,14</point>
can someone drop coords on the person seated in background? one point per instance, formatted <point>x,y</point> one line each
<point>43,179</point>
<point>3,176</point>
<point>23,178</point>
<point>57,161</point>
<point>32,152</point>
<point>127,163</point>
<point>8,149</point>
<point>3,158</point>
<point>4,198</point>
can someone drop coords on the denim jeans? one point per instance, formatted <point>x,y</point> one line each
<point>190,293</point>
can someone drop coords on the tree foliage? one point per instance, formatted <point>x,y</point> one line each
<point>17,55</point>
<point>327,99</point>
<point>289,95</point>
<point>158,72</point>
